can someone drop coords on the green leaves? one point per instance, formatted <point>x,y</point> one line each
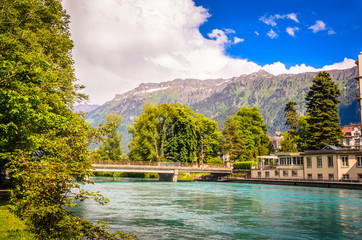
<point>322,113</point>
<point>43,143</point>
<point>110,147</point>
<point>172,132</point>
<point>245,135</point>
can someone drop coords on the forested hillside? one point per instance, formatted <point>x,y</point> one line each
<point>220,98</point>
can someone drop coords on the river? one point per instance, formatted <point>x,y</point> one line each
<point>209,210</point>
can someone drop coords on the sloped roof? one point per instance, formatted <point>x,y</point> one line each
<point>349,128</point>
<point>331,147</point>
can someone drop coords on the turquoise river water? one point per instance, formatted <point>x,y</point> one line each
<point>208,210</point>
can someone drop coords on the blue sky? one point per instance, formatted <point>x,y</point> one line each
<point>121,44</point>
<point>342,19</point>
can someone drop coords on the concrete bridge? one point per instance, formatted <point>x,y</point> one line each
<point>167,171</point>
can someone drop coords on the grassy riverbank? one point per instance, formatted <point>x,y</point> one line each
<point>11,227</point>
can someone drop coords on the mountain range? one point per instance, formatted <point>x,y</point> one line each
<point>221,98</point>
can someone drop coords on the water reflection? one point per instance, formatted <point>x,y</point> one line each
<point>161,210</point>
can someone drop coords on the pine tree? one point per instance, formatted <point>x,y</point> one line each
<point>288,143</point>
<point>322,113</point>
<point>291,116</point>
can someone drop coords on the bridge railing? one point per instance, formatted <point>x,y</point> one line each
<point>157,164</point>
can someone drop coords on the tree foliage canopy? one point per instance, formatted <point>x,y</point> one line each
<point>110,147</point>
<point>172,132</point>
<point>322,113</point>
<point>289,141</point>
<point>253,133</point>
<point>43,143</point>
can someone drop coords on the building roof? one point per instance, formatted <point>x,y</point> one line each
<point>349,128</point>
<point>331,147</point>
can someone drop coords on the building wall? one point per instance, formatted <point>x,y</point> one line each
<point>325,170</point>
<point>351,169</point>
<point>272,173</point>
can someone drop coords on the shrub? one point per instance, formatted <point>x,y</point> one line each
<point>243,165</point>
<point>214,161</point>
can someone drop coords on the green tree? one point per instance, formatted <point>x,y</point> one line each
<point>322,113</point>
<point>110,147</point>
<point>291,116</point>
<point>180,141</point>
<point>233,143</point>
<point>253,132</point>
<point>208,138</point>
<point>172,132</point>
<point>43,143</point>
<point>288,143</point>
<point>149,132</point>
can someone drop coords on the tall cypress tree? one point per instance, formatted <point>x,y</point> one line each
<point>322,113</point>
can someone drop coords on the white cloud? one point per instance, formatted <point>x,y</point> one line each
<point>219,36</point>
<point>318,26</point>
<point>279,68</point>
<point>257,34</point>
<point>228,31</point>
<point>272,34</point>
<point>238,40</point>
<point>331,32</point>
<point>271,20</point>
<point>120,44</point>
<point>293,17</point>
<point>291,31</point>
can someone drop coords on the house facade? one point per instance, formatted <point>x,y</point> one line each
<point>352,136</point>
<point>329,164</point>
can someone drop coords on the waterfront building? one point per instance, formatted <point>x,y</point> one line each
<point>331,163</point>
<point>352,136</point>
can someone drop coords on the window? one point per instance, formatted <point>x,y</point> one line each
<point>276,173</point>
<point>344,161</point>
<point>320,176</point>
<point>294,173</point>
<point>309,162</point>
<point>330,161</point>
<point>360,177</point>
<point>259,174</point>
<point>310,176</point>
<point>357,143</point>
<point>267,174</point>
<point>285,173</point>
<point>294,160</point>
<point>288,161</point>
<point>345,177</point>
<point>282,161</point>
<point>319,161</point>
<point>331,177</point>
<point>347,142</point>
<point>359,161</point>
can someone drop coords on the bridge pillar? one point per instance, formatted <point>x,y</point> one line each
<point>168,177</point>
<point>175,175</point>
